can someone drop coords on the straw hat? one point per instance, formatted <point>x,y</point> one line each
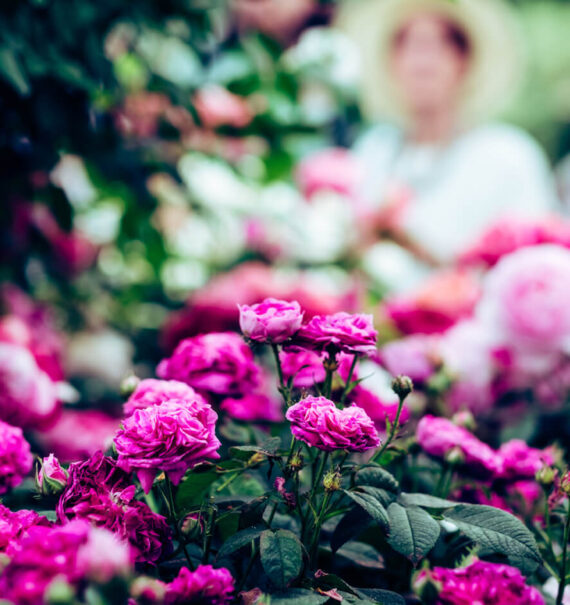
<point>496,64</point>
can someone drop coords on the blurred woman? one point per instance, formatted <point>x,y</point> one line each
<point>438,173</point>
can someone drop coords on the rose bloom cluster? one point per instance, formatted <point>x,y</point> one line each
<point>480,582</point>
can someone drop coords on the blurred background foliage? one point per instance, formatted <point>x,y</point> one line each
<point>105,92</point>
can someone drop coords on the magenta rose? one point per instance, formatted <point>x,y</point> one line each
<point>482,582</point>
<point>205,585</point>
<point>100,492</point>
<point>16,459</point>
<point>254,407</point>
<point>219,363</point>
<point>171,437</point>
<point>272,320</point>
<point>154,392</point>
<point>439,436</point>
<point>319,423</point>
<point>349,333</point>
<point>28,395</point>
<point>520,460</point>
<point>15,524</point>
<point>525,300</point>
<point>304,366</point>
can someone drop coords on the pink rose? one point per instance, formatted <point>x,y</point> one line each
<point>438,436</point>
<point>413,356</point>
<point>78,434</point>
<point>171,437</point>
<point>217,107</point>
<point>52,478</point>
<point>305,367</point>
<point>104,556</point>
<point>154,392</point>
<point>334,169</point>
<point>255,407</point>
<point>438,304</point>
<point>349,333</point>
<point>482,582</point>
<point>512,233</point>
<point>15,524</point>
<point>16,459</point>
<point>525,300</point>
<point>519,460</point>
<point>319,423</point>
<point>219,363</point>
<point>28,396</point>
<point>205,585</point>
<point>272,320</point>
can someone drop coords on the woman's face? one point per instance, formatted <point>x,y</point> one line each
<point>428,65</point>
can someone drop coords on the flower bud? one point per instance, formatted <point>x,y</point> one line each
<point>465,419</point>
<point>192,526</point>
<point>426,587</point>
<point>545,476</point>
<point>402,386</point>
<point>454,456</point>
<point>331,481</point>
<point>297,462</point>
<point>565,483</point>
<point>52,477</point>
<point>59,592</point>
<point>149,591</point>
<point>129,384</point>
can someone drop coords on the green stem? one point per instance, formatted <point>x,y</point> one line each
<point>444,483</point>
<point>562,584</point>
<point>272,513</point>
<point>317,528</point>
<point>347,385</point>
<point>392,433</point>
<point>174,520</point>
<point>284,390</point>
<point>248,568</point>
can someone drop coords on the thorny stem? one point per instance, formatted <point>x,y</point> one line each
<point>284,390</point>
<point>393,430</point>
<point>347,386</point>
<point>172,513</point>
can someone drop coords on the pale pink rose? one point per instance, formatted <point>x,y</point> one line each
<point>438,436</point>
<point>525,300</point>
<point>217,106</point>
<point>104,556</point>
<point>319,423</point>
<point>28,396</point>
<point>340,332</point>
<point>334,169</point>
<point>438,304</point>
<point>271,320</point>
<point>413,356</point>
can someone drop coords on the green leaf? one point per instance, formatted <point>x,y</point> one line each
<point>384,497</point>
<point>191,491</point>
<point>371,505</point>
<point>361,554</point>
<point>377,477</point>
<point>349,527</point>
<point>281,556</point>
<point>12,70</point>
<point>239,540</point>
<point>298,596</point>
<point>385,597</point>
<point>425,501</point>
<point>497,532</point>
<point>245,452</point>
<point>413,532</point>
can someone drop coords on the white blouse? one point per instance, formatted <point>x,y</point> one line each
<point>460,188</point>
